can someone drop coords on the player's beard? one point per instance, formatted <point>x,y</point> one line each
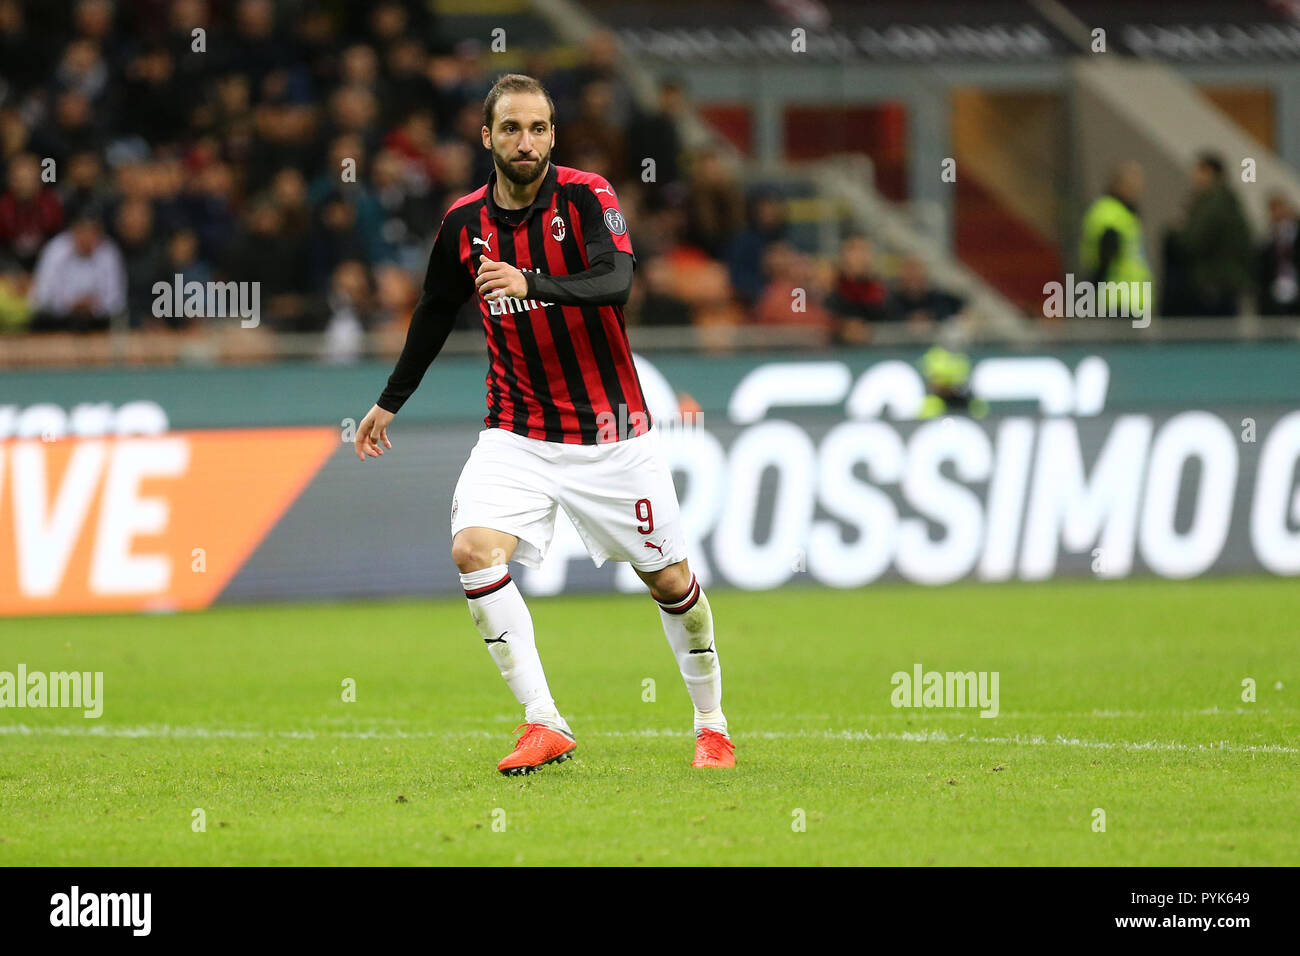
<point>521,174</point>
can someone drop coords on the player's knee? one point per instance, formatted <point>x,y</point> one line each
<point>671,583</point>
<point>471,554</point>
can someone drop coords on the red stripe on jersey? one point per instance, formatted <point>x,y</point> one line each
<point>524,367</point>
<point>578,330</point>
<point>557,385</point>
<point>501,406</point>
<point>567,175</point>
<point>612,320</point>
<point>468,198</point>
<point>577,327</point>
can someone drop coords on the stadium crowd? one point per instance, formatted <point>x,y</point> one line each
<point>315,153</point>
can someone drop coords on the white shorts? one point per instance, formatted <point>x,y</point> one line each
<point>619,495</point>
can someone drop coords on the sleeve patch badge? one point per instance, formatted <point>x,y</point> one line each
<point>614,220</point>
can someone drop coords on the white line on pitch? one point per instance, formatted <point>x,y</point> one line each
<point>917,736</point>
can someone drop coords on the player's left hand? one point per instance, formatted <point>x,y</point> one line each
<point>498,280</point>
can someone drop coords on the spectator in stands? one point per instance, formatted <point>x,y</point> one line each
<point>82,182</point>
<point>653,135</point>
<point>262,253</point>
<point>359,67</point>
<point>289,193</point>
<point>255,50</point>
<point>746,251</point>
<point>601,62</point>
<point>716,208</point>
<point>335,238</point>
<point>792,295</point>
<point>81,69</point>
<point>166,194</point>
<point>351,312</point>
<point>1278,260</point>
<point>142,257</point>
<point>283,134</point>
<point>593,131</point>
<point>1209,255</point>
<point>1111,248</point>
<point>858,296</point>
<point>30,211</point>
<point>916,301</point>
<point>407,210</point>
<point>415,141</point>
<point>15,309</point>
<point>210,210</point>
<point>152,104</point>
<point>396,292</point>
<point>410,88</point>
<point>182,257</point>
<point>73,129</point>
<point>367,214</point>
<point>80,281</point>
<point>654,302</point>
<point>93,20</point>
<point>192,72</point>
<point>21,48</point>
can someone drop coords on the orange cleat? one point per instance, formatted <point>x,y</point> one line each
<point>713,749</point>
<point>538,746</point>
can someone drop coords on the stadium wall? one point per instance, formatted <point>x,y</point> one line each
<point>179,488</point>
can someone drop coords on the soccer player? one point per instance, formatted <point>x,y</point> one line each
<point>545,251</point>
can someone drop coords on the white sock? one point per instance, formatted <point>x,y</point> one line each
<point>688,625</point>
<point>506,627</point>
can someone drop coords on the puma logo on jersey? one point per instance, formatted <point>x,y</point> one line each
<point>657,547</point>
<point>485,243</point>
<point>604,189</point>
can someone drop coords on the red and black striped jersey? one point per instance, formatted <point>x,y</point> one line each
<point>560,365</point>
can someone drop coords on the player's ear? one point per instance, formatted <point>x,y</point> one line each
<point>487,137</point>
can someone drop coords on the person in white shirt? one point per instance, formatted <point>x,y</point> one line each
<point>80,279</point>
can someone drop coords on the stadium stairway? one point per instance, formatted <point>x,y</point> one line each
<point>841,187</point>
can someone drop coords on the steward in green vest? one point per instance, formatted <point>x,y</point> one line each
<point>1111,248</point>
<point>947,386</point>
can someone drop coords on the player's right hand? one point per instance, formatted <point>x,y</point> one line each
<point>373,430</point>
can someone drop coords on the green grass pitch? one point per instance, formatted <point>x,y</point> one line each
<point>1119,696</point>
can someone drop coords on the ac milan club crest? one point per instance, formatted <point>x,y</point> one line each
<point>558,229</point>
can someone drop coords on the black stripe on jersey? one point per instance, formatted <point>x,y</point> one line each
<point>597,334</point>
<point>506,382</point>
<point>541,386</point>
<point>565,352</point>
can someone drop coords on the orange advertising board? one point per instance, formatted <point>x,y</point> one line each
<point>143,523</point>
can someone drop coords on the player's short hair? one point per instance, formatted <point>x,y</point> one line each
<point>514,83</point>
